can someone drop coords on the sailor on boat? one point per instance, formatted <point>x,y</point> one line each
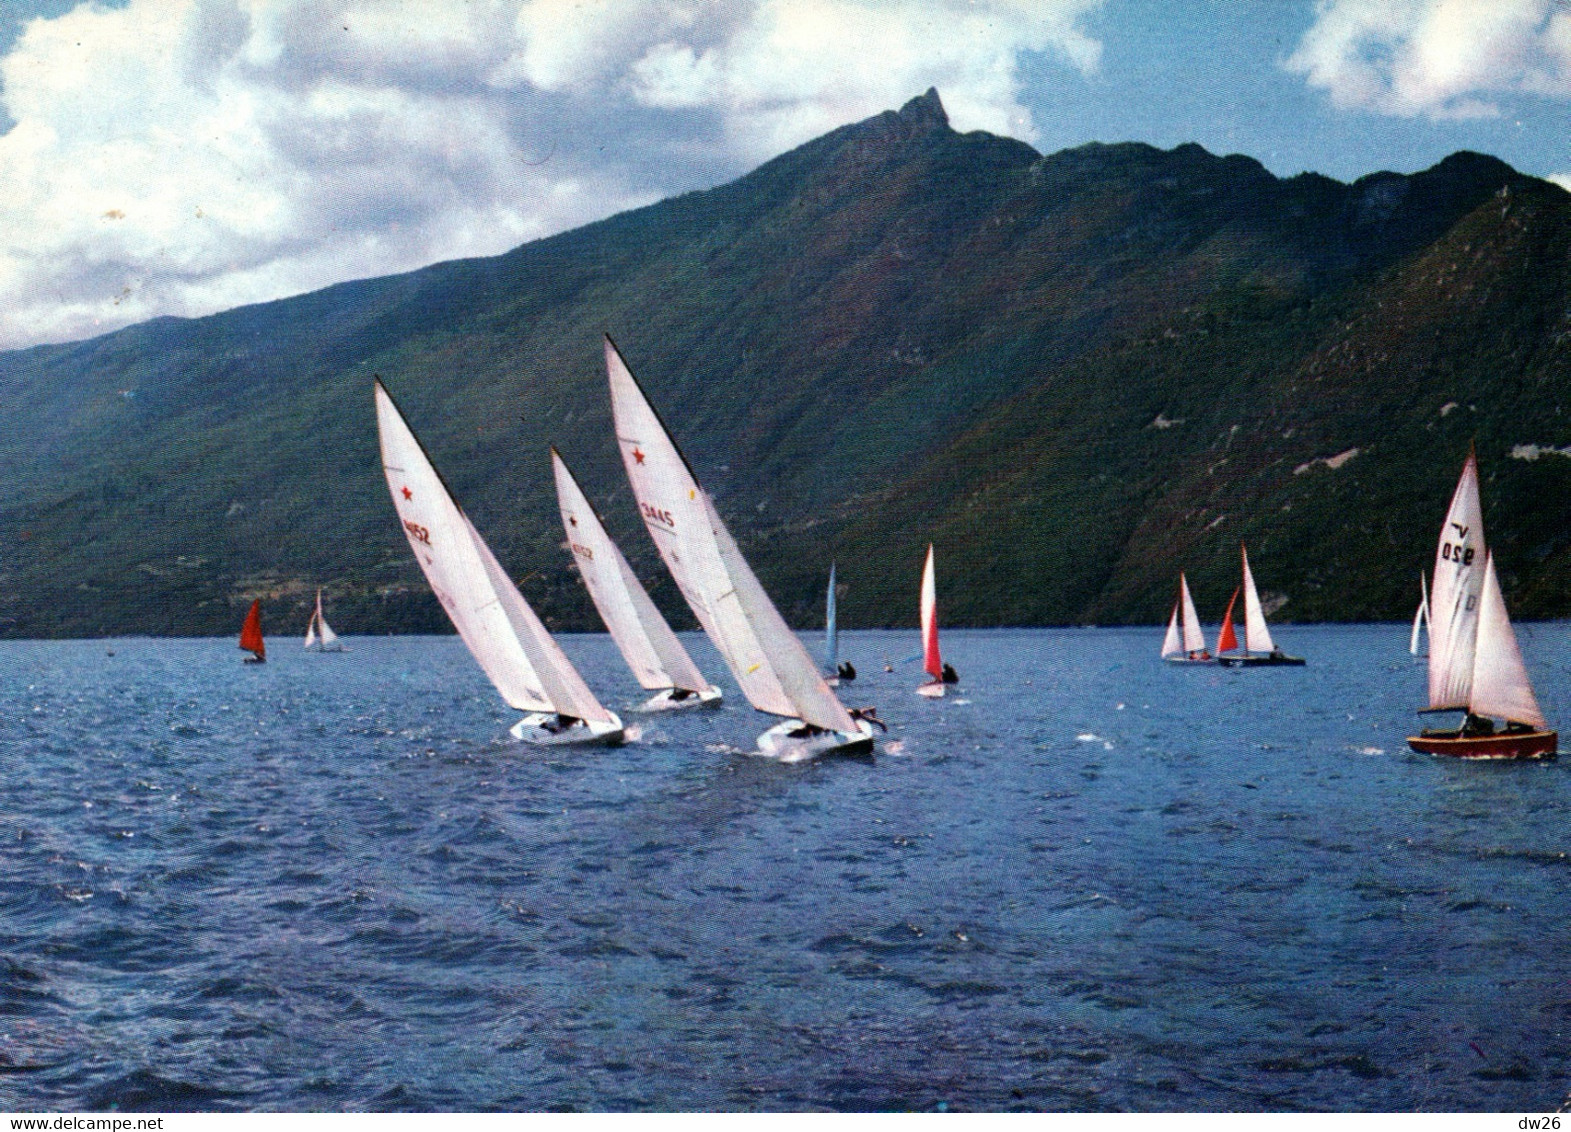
<point>950,676</point>
<point>847,670</point>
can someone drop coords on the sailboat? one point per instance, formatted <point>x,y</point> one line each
<point>1420,617</point>
<point>648,645</point>
<point>251,635</point>
<point>527,666</point>
<point>1185,642</point>
<point>837,672</point>
<point>1474,662</point>
<point>773,668</point>
<point>1259,649</point>
<point>319,634</point>
<point>932,663</point>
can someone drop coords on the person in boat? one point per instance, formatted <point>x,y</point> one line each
<point>847,671</point>
<point>560,724</point>
<point>806,731</point>
<point>950,676</point>
<point>679,694</point>
<point>871,715</point>
<point>1477,725</point>
<point>1199,654</point>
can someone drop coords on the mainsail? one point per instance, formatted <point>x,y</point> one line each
<point>831,637</point>
<point>326,639</point>
<point>1226,638</point>
<point>251,631</point>
<point>932,663</point>
<point>508,641</point>
<point>1194,637</point>
<point>773,668</point>
<point>652,650</point>
<point>1453,602</point>
<point>1257,637</point>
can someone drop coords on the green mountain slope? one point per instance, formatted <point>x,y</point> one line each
<point>1075,373</point>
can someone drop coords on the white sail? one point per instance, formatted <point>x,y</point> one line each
<point>1172,643</point>
<point>651,649</point>
<point>774,670</point>
<point>1500,684</point>
<point>501,631</point>
<point>329,638</point>
<point>1453,603</point>
<point>1420,615</point>
<point>1257,637</point>
<point>310,626</point>
<point>1194,637</point>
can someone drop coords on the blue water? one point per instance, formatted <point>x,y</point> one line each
<point>1092,881</point>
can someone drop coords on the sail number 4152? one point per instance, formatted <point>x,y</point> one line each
<point>1456,554</point>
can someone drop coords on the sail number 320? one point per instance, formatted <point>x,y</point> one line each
<point>1456,554</point>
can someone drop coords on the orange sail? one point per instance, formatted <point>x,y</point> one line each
<point>1227,639</point>
<point>251,632</point>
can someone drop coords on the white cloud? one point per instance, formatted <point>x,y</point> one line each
<point>184,156</point>
<point>1441,59</point>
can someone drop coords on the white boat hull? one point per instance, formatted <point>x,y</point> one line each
<point>661,701</point>
<point>540,729</point>
<point>781,742</point>
<point>934,689</point>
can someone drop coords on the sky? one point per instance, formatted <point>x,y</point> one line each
<point>179,157</point>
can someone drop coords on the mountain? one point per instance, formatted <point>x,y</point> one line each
<point>1074,373</point>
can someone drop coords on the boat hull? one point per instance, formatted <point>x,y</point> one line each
<point>934,689</point>
<point>780,742</point>
<point>661,701</point>
<point>1178,659</point>
<point>1505,745</point>
<point>1261,661</point>
<point>536,729</point>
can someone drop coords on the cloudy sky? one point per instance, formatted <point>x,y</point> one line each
<point>186,156</point>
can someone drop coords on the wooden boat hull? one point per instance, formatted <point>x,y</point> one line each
<point>1505,745</point>
<point>780,742</point>
<point>1262,661</point>
<point>661,701</point>
<point>534,728</point>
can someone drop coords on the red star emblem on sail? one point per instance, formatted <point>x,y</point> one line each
<point>408,494</point>
<point>637,455</point>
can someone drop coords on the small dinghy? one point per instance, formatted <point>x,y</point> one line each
<point>1475,665</point>
<point>1260,651</point>
<point>773,668</point>
<point>940,674</point>
<point>1185,642</point>
<point>503,634</point>
<point>319,635</point>
<point>646,641</point>
<point>251,635</point>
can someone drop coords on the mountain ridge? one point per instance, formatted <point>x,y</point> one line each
<point>891,333</point>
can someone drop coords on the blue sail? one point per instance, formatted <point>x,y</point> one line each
<point>831,644</point>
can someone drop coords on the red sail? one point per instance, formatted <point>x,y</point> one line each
<point>251,631</point>
<point>1227,639</point>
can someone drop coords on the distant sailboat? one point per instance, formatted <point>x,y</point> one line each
<point>1420,617</point>
<point>527,666</point>
<point>251,635</point>
<point>831,635</point>
<point>1259,649</point>
<point>649,646</point>
<point>773,668</point>
<point>933,664</point>
<point>1185,642</point>
<point>1474,662</point>
<point>319,635</point>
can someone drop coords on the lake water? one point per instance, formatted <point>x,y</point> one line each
<point>1091,881</point>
